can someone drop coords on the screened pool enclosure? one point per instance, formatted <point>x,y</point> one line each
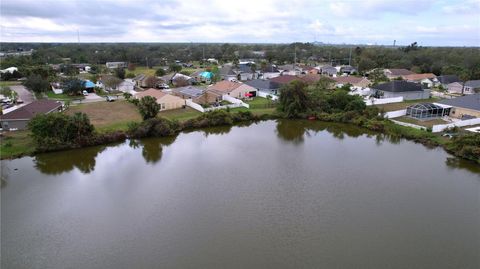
<point>424,111</point>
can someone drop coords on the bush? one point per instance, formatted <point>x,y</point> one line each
<point>154,127</point>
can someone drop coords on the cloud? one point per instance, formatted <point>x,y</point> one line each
<point>335,21</point>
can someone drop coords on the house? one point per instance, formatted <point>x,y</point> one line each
<point>89,86</point>
<point>282,80</point>
<point>226,73</point>
<point>57,87</point>
<point>394,73</point>
<point>126,85</point>
<point>290,69</point>
<point>235,89</point>
<point>269,71</point>
<point>181,80</point>
<point>455,87</point>
<point>426,79</point>
<point>9,70</point>
<point>445,80</point>
<point>472,86</point>
<point>348,69</point>
<point>308,69</point>
<point>115,65</point>
<point>245,72</point>
<point>165,100</point>
<point>467,106</point>
<point>18,119</point>
<point>408,90</point>
<point>196,94</point>
<point>264,85</point>
<point>357,82</point>
<point>310,78</point>
<point>328,70</point>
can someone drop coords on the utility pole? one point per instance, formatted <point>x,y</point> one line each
<point>78,36</point>
<point>394,42</point>
<point>295,58</point>
<point>350,57</point>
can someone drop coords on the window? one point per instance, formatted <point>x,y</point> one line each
<point>162,106</point>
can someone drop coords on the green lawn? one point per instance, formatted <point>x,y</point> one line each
<point>62,96</point>
<point>9,83</point>
<point>15,144</point>
<point>425,123</point>
<point>181,114</point>
<point>143,70</point>
<point>405,104</point>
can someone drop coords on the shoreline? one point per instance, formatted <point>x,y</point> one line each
<point>383,126</point>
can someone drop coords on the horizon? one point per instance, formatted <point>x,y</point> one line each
<point>347,22</point>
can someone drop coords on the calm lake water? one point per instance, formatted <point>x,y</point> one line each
<point>286,194</point>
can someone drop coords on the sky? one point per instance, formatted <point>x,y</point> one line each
<point>428,22</point>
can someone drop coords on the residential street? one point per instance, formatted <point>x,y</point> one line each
<point>23,93</point>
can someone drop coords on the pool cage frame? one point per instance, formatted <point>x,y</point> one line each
<point>426,111</point>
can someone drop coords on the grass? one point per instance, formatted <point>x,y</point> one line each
<point>143,70</point>
<point>108,116</point>
<point>181,114</point>
<point>425,123</point>
<point>15,144</point>
<point>9,83</point>
<point>62,96</point>
<point>404,104</point>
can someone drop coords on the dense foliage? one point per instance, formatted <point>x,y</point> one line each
<point>466,146</point>
<point>148,107</point>
<point>73,86</point>
<point>462,61</point>
<point>58,130</point>
<point>36,83</point>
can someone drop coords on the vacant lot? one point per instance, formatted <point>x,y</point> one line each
<point>405,104</point>
<point>108,116</point>
<point>181,114</point>
<point>17,143</point>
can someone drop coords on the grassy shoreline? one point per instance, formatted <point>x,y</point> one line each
<point>19,144</point>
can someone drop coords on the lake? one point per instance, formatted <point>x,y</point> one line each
<point>275,194</point>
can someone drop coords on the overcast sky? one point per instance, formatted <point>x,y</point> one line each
<point>429,22</point>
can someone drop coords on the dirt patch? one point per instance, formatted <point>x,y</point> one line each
<point>107,113</point>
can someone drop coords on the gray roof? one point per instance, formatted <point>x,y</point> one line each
<point>471,101</point>
<point>399,86</point>
<point>473,84</point>
<point>447,79</point>
<point>400,71</point>
<point>189,91</point>
<point>226,70</point>
<point>261,84</point>
<point>41,106</point>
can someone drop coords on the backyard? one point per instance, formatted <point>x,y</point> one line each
<point>425,123</point>
<point>405,104</point>
<point>108,116</point>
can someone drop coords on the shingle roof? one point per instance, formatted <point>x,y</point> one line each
<point>471,101</point>
<point>416,77</point>
<point>473,84</point>
<point>225,86</point>
<point>226,70</point>
<point>311,78</point>
<point>447,79</point>
<point>348,79</point>
<point>151,92</point>
<point>261,84</point>
<point>399,86</point>
<point>32,109</point>
<point>400,72</point>
<point>284,79</point>
<point>189,91</point>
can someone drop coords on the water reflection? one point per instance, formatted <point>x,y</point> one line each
<point>457,163</point>
<point>152,147</point>
<point>55,163</point>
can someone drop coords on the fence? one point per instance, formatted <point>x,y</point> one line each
<point>441,127</point>
<point>194,105</point>
<point>396,113</point>
<point>234,100</point>
<point>198,107</point>
<point>264,95</point>
<point>382,101</point>
<point>409,125</point>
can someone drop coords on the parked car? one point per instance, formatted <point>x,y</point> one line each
<point>19,101</point>
<point>85,92</point>
<point>110,98</point>
<point>163,86</point>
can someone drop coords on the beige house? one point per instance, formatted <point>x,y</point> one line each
<point>232,88</point>
<point>466,106</point>
<point>359,82</point>
<point>455,87</point>
<point>165,100</point>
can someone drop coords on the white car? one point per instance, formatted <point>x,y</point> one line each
<point>85,92</point>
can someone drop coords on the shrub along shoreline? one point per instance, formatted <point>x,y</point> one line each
<point>78,132</point>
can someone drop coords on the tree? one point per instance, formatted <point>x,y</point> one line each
<point>127,96</point>
<point>175,68</point>
<point>111,82</point>
<point>131,66</point>
<point>160,72</point>
<point>293,99</point>
<point>151,82</point>
<point>37,84</point>
<point>120,73</point>
<point>73,86</point>
<point>148,107</point>
<point>181,82</point>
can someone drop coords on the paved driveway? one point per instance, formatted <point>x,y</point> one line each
<point>23,93</point>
